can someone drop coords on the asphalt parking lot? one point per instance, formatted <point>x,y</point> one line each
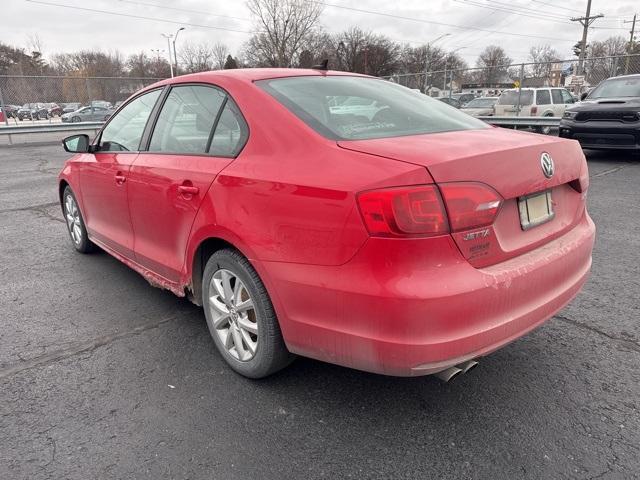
<point>103,376</point>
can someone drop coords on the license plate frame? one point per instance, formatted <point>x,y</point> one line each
<point>535,209</point>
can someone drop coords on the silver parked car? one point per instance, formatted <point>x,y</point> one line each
<point>478,107</point>
<point>88,114</point>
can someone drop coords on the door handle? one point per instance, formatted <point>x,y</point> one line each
<point>120,179</point>
<point>188,190</point>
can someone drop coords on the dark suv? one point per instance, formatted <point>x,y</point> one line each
<point>33,111</point>
<point>608,118</point>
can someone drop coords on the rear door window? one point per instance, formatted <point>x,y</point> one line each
<point>187,118</point>
<point>556,95</point>
<point>231,132</point>
<point>543,97</point>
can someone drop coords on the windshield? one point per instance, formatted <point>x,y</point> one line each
<point>617,87</point>
<point>481,103</point>
<point>510,97</point>
<point>372,108</point>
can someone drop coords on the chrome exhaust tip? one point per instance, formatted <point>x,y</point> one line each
<point>468,366</point>
<point>448,374</point>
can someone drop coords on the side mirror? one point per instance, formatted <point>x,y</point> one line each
<point>76,144</point>
<point>583,96</point>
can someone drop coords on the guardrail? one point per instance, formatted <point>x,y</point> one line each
<point>522,121</point>
<point>49,128</point>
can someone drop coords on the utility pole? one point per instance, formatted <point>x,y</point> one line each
<point>586,22</point>
<point>633,31</point>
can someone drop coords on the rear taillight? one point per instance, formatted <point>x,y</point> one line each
<point>470,205</point>
<point>404,211</point>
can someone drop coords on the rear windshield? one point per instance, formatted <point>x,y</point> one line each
<point>617,87</point>
<point>353,108</point>
<point>510,97</point>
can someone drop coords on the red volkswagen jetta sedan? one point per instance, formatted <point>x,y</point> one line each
<point>335,216</point>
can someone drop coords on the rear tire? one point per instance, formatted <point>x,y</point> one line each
<point>75,223</point>
<point>543,130</point>
<point>240,316</point>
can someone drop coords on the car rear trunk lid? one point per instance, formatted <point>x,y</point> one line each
<point>510,163</point>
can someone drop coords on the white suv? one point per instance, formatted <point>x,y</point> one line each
<point>534,102</point>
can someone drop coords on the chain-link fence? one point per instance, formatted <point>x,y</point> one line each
<point>16,91</point>
<point>493,80</point>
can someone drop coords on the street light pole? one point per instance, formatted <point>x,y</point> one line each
<point>169,37</point>
<point>175,54</point>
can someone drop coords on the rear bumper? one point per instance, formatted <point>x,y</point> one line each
<point>602,135</point>
<point>398,308</point>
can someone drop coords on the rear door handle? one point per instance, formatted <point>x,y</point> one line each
<point>188,190</point>
<point>120,179</point>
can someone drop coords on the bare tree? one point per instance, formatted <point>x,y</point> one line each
<point>493,62</point>
<point>363,51</point>
<point>283,27</point>
<point>220,52</point>
<point>543,57</point>
<point>198,57</point>
<point>603,61</point>
<point>35,43</point>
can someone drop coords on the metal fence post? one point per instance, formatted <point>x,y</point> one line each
<point>520,90</point>
<point>4,110</point>
<point>86,83</point>
<point>6,115</point>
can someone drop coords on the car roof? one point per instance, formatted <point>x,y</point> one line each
<point>254,74</point>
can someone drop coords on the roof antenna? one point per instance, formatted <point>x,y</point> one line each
<point>322,66</point>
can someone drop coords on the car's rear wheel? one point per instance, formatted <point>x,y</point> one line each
<point>75,223</point>
<point>240,316</point>
<point>544,130</point>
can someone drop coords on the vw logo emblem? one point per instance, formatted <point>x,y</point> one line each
<point>546,162</point>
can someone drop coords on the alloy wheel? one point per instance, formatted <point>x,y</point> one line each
<point>72,215</point>
<point>234,315</point>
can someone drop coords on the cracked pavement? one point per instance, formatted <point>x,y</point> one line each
<point>103,376</point>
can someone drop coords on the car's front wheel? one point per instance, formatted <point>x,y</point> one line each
<point>75,223</point>
<point>240,316</point>
<point>75,119</point>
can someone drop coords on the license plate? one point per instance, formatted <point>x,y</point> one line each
<point>535,209</point>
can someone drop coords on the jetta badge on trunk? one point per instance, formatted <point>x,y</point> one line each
<point>546,162</point>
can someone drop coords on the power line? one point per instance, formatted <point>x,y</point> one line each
<point>431,22</point>
<point>554,19</point>
<point>140,17</point>
<point>186,10</point>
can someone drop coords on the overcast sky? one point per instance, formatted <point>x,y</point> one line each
<point>515,25</point>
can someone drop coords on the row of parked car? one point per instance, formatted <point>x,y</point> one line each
<point>606,117</point>
<point>528,102</point>
<point>95,111</point>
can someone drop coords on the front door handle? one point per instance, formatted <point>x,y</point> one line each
<point>120,178</point>
<point>188,190</point>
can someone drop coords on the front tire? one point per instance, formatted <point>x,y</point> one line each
<point>75,223</point>
<point>240,316</point>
